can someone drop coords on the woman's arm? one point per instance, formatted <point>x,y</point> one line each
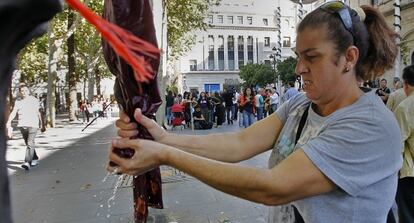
<point>227,147</point>
<point>230,147</point>
<point>294,178</point>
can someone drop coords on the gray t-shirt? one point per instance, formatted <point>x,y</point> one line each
<point>357,147</point>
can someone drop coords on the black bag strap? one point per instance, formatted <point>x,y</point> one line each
<point>298,217</point>
<point>302,123</point>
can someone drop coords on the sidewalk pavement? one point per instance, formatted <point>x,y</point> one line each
<point>70,183</point>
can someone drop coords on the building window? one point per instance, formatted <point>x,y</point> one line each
<point>210,19</point>
<point>220,52</point>
<point>267,41</point>
<point>265,22</point>
<point>286,41</point>
<point>220,19</point>
<point>230,46</point>
<point>250,49</point>
<point>240,48</point>
<point>210,52</point>
<point>249,20</point>
<point>193,65</point>
<point>230,19</point>
<point>240,19</point>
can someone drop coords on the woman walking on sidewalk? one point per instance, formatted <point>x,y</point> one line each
<point>247,102</point>
<point>29,122</point>
<point>336,151</point>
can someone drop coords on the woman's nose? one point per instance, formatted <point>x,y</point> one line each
<point>300,67</point>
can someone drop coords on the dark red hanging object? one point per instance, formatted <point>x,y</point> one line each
<point>133,57</point>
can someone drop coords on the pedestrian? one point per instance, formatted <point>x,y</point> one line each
<point>219,109</point>
<point>331,157</point>
<point>169,102</point>
<point>405,117</point>
<point>266,97</point>
<point>396,97</point>
<point>259,104</point>
<point>228,98</point>
<point>29,121</point>
<point>247,102</point>
<point>383,91</point>
<point>274,100</point>
<point>205,106</point>
<point>291,91</point>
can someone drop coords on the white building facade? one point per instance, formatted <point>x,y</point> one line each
<point>241,32</point>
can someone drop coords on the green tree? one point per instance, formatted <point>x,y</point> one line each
<point>257,74</point>
<point>286,70</point>
<point>31,62</point>
<point>184,17</point>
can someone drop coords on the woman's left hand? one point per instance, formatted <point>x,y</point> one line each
<point>147,155</point>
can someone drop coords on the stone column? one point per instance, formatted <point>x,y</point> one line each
<point>245,49</point>
<point>206,50</point>
<point>216,44</point>
<point>226,53</point>
<point>255,50</point>
<point>236,52</point>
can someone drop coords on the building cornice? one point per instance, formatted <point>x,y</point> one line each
<point>209,72</point>
<point>249,28</point>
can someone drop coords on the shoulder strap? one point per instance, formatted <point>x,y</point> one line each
<point>302,123</point>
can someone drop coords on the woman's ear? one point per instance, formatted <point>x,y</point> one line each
<point>352,55</point>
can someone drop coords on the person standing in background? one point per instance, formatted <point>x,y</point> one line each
<point>405,117</point>
<point>259,104</point>
<point>383,91</point>
<point>274,101</point>
<point>169,100</point>
<point>29,122</point>
<point>247,102</point>
<point>396,97</point>
<point>228,98</point>
<point>291,91</point>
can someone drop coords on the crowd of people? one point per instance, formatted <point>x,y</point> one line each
<point>99,107</point>
<point>217,108</point>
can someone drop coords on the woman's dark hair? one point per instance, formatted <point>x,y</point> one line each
<point>408,75</point>
<point>245,94</point>
<point>374,39</point>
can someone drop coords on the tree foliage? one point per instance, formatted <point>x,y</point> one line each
<point>32,62</point>
<point>286,70</point>
<point>183,18</point>
<point>257,74</point>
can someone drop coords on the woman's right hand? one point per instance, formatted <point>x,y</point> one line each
<point>128,129</point>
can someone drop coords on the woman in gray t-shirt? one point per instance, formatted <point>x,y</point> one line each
<point>342,164</point>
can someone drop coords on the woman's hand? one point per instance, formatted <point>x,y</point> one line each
<point>128,129</point>
<point>147,155</point>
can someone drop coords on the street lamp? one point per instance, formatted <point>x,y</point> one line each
<point>273,56</point>
<point>275,59</point>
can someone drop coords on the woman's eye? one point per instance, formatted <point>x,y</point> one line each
<point>309,58</point>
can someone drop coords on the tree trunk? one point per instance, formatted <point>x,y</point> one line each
<point>54,46</point>
<point>71,70</point>
<point>91,80</point>
<point>98,81</point>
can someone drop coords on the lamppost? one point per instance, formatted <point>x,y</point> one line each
<point>274,56</point>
